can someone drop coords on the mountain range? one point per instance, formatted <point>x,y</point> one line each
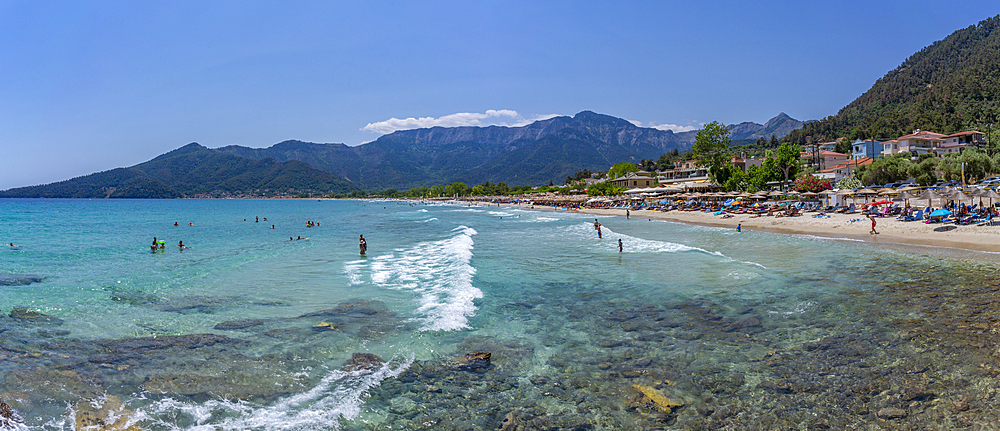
<point>189,171</point>
<point>533,154</point>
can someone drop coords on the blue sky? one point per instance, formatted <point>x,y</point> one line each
<point>91,86</point>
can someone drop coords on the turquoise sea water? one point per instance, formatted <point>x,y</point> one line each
<point>746,330</point>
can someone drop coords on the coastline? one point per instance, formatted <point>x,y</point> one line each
<point>891,231</point>
<point>954,241</point>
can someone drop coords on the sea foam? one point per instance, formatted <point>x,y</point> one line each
<point>439,272</point>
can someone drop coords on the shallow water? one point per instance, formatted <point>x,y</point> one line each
<point>248,330</point>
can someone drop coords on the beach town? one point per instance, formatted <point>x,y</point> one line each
<point>945,214</point>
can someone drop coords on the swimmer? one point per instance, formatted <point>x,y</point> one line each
<point>175,223</point>
<point>257,219</point>
<point>619,245</point>
<point>12,245</point>
<point>363,245</point>
<point>272,226</point>
<point>190,224</point>
<point>739,227</point>
<point>298,238</point>
<point>180,245</point>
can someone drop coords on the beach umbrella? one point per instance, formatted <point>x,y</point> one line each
<point>939,213</point>
<point>906,195</point>
<point>990,193</point>
<point>887,191</point>
<point>909,189</point>
<point>929,194</point>
<point>957,195</point>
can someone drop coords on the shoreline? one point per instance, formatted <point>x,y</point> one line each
<point>917,237</point>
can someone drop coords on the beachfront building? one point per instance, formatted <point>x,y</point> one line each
<point>921,142</point>
<point>870,149</point>
<point>743,163</point>
<point>633,180</point>
<point>846,168</point>
<point>823,159</point>
<point>958,142</point>
<point>890,147</point>
<point>687,170</point>
<point>827,146</point>
<point>925,142</point>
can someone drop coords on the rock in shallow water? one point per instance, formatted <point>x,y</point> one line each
<point>9,419</point>
<point>109,415</point>
<point>28,315</point>
<point>19,279</point>
<point>364,361</point>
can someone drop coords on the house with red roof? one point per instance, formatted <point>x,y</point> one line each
<point>958,142</point>
<point>846,168</point>
<point>823,159</point>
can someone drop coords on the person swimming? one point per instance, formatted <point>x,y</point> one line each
<point>180,245</point>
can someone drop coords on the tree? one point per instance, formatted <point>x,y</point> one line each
<point>788,158</point>
<point>604,189</point>
<point>456,189</point>
<point>924,172</point>
<point>621,169</point>
<point>886,170</point>
<point>977,164</point>
<point>850,182</point>
<point>435,191</point>
<point>711,150</point>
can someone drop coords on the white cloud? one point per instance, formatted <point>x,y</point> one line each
<point>675,128</point>
<point>492,117</point>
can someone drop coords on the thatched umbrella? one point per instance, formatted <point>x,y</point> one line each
<point>929,194</point>
<point>887,191</point>
<point>990,193</point>
<point>909,189</point>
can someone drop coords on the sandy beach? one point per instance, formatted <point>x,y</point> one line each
<point>855,226</point>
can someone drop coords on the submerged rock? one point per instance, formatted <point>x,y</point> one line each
<point>9,419</point>
<point>133,297</point>
<point>61,385</point>
<point>659,398</point>
<point>108,415</point>
<point>234,325</point>
<point>476,361</point>
<point>364,361</point>
<point>25,314</point>
<point>354,309</point>
<point>19,279</point>
<point>891,413</point>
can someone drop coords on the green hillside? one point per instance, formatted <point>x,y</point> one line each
<point>950,86</point>
<point>188,171</point>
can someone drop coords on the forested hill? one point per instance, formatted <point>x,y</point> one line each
<point>533,154</point>
<point>188,171</point>
<point>950,86</point>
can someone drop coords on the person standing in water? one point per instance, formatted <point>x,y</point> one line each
<point>363,244</point>
<point>620,245</point>
<point>739,227</point>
